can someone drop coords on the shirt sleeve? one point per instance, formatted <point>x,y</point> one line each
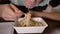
<point>54,3</point>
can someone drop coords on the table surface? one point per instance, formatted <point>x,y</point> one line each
<point>53,27</point>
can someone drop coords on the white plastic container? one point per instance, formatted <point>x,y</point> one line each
<point>38,29</point>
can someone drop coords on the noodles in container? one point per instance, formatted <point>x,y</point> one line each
<point>30,25</point>
<point>27,21</point>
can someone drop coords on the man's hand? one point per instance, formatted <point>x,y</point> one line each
<point>8,13</point>
<point>49,15</point>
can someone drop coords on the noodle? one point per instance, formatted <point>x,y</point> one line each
<point>27,21</point>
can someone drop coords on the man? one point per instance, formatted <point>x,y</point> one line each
<point>33,3</point>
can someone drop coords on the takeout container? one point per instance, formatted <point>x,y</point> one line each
<point>38,29</point>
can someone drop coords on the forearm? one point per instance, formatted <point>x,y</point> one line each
<point>53,15</point>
